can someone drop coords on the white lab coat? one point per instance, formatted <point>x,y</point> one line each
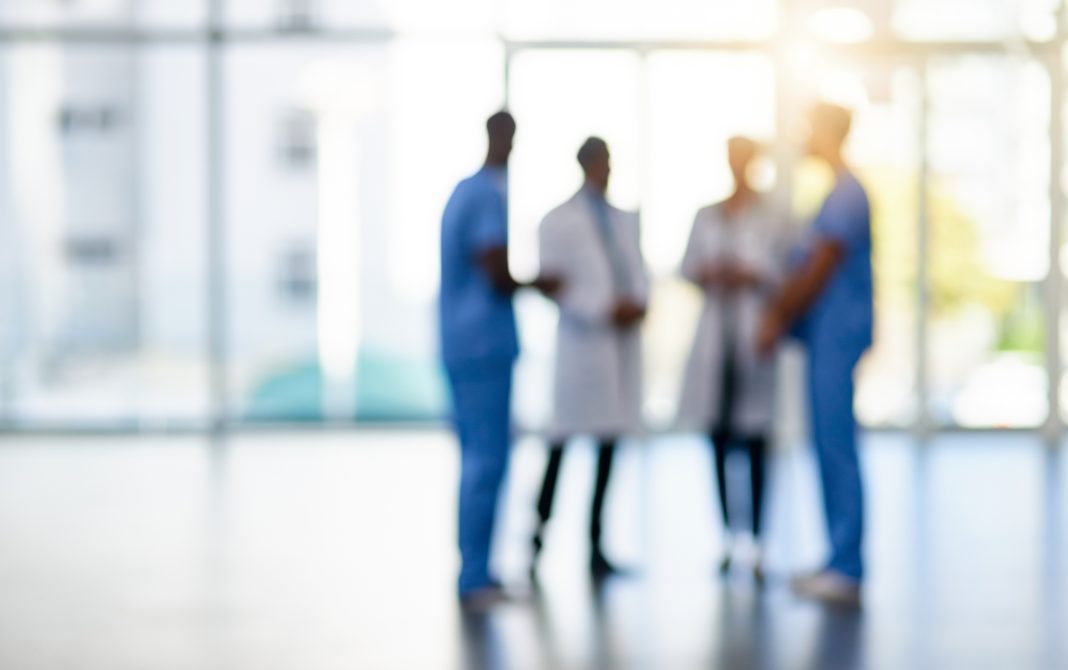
<point>598,383</point>
<point>756,238</point>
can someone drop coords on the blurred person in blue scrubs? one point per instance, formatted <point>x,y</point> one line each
<point>479,347</point>
<point>827,303</point>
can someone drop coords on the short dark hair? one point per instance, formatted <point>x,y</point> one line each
<point>590,150</point>
<point>835,118</point>
<point>499,121</point>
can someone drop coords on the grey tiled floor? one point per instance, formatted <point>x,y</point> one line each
<point>336,551</point>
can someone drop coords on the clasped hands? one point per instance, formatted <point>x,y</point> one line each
<point>626,313</point>
<point>735,276</point>
<point>730,276</point>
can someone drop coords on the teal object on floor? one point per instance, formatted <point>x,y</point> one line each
<point>388,388</point>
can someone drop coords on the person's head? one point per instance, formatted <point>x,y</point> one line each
<point>829,126</point>
<point>500,129</point>
<point>741,152</point>
<point>596,164</point>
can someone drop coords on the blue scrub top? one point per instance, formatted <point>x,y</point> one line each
<point>843,315</point>
<point>477,321</point>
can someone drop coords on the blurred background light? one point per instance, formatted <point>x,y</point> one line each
<point>841,24</point>
<point>342,141</point>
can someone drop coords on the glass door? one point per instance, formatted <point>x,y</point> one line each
<point>667,113</point>
<point>989,127</point>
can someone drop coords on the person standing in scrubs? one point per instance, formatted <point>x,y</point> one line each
<point>827,302</point>
<point>733,256</point>
<point>479,347</point>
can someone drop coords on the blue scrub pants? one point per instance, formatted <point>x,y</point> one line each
<point>834,433</point>
<point>481,398</point>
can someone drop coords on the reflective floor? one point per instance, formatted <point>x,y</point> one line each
<point>336,551</point>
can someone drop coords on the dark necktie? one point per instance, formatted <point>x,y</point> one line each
<point>618,263</point>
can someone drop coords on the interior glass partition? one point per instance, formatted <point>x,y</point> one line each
<point>345,125</point>
<point>989,159</point>
<point>104,221</point>
<point>340,160</point>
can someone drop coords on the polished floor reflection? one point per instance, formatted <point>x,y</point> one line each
<point>335,550</point>
<point>730,628</point>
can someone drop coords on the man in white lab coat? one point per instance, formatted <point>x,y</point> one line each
<point>592,248</point>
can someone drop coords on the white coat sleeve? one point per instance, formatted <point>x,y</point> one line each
<point>691,260</point>
<point>641,272</point>
<point>782,238</point>
<point>776,256</point>
<point>558,259</point>
<point>759,254</point>
<point>761,250</point>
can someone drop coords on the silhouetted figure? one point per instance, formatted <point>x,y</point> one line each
<point>729,390</point>
<point>479,347</point>
<point>827,302</point>
<point>593,249</point>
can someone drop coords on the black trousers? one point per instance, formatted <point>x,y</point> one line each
<point>723,437</point>
<point>605,455</point>
<point>756,449</point>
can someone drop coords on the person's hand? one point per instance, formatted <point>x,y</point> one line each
<point>549,286</point>
<point>742,277</point>
<point>732,278</point>
<point>627,313</point>
<point>729,276</point>
<point>713,274</point>
<point>770,331</point>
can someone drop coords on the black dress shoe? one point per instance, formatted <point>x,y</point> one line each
<point>725,565</point>
<point>758,574</point>
<point>536,544</point>
<point>484,599</point>
<point>601,567</point>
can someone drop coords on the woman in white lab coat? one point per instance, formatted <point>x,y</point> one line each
<point>734,257</point>
<point>592,248</point>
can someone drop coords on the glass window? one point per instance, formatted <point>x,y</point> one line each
<point>296,140</point>
<point>688,128</point>
<point>421,16</point>
<point>340,155</point>
<point>976,19</point>
<point>301,14</point>
<point>884,149</point>
<point>103,164</point>
<point>634,19</point>
<point>686,168</point>
<point>172,285</point>
<point>440,94</point>
<point>989,235</point>
<point>559,98</point>
<point>1062,373</point>
<point>340,163</point>
<point>151,13</point>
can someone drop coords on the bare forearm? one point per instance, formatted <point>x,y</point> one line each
<point>494,262</point>
<point>797,295</point>
<point>505,283</point>
<point>801,290</point>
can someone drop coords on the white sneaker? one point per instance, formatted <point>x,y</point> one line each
<point>756,561</point>
<point>829,587</point>
<point>758,571</point>
<point>481,601</point>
